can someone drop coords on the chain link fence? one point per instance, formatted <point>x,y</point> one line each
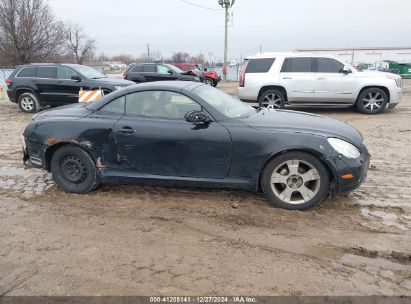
<point>232,72</point>
<point>4,74</point>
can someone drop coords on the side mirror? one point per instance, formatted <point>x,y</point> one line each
<point>346,70</point>
<point>197,117</point>
<point>170,72</point>
<point>76,78</point>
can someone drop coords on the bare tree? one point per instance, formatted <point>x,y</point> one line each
<point>28,32</point>
<point>181,57</point>
<point>78,43</point>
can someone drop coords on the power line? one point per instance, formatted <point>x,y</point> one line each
<point>200,6</point>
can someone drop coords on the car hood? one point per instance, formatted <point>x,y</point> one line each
<point>300,122</point>
<point>114,81</point>
<point>73,111</point>
<point>379,74</point>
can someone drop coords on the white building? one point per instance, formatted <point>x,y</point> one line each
<point>374,56</point>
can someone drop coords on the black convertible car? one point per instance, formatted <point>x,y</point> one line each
<point>187,133</point>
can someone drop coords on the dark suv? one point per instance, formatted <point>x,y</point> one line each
<point>35,85</point>
<point>147,72</point>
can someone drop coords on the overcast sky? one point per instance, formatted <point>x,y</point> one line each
<point>126,26</point>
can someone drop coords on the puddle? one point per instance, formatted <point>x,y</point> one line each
<point>374,264</point>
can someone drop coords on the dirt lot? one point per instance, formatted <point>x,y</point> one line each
<point>140,240</point>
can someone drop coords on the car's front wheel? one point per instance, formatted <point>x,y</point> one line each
<point>272,99</point>
<point>73,170</point>
<point>28,103</point>
<point>372,101</point>
<point>208,81</point>
<point>295,181</point>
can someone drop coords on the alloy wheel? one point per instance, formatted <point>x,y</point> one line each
<point>208,82</point>
<point>295,181</point>
<point>27,104</point>
<point>373,101</point>
<point>272,100</point>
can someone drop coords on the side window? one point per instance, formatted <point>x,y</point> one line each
<point>297,65</point>
<point>116,106</point>
<point>46,72</point>
<point>262,65</point>
<point>162,69</point>
<point>137,69</point>
<point>149,68</point>
<point>329,65</point>
<point>64,73</point>
<point>26,72</point>
<point>162,104</point>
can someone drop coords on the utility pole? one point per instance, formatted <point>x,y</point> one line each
<point>226,4</point>
<point>148,51</point>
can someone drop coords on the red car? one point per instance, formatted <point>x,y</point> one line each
<point>210,78</point>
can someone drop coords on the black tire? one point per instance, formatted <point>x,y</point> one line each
<point>272,98</point>
<point>319,185</point>
<point>208,81</point>
<point>28,103</point>
<point>73,170</point>
<point>372,101</point>
<point>215,84</point>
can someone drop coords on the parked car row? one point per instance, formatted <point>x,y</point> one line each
<point>280,79</point>
<point>37,85</point>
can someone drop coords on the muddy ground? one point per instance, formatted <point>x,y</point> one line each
<point>140,240</point>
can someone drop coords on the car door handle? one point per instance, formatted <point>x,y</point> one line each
<point>127,130</point>
<point>287,78</point>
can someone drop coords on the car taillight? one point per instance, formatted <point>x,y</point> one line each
<point>8,82</point>
<point>242,74</point>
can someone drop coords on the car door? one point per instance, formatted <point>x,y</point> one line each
<point>331,84</point>
<point>67,88</point>
<point>150,72</point>
<point>154,137</point>
<point>297,77</point>
<point>164,73</point>
<point>46,84</point>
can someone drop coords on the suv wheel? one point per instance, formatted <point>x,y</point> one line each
<point>372,101</point>
<point>295,181</point>
<point>208,81</point>
<point>272,99</point>
<point>28,103</point>
<point>73,170</point>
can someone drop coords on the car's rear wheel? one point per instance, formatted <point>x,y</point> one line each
<point>295,181</point>
<point>73,170</point>
<point>208,81</point>
<point>272,99</point>
<point>372,101</point>
<point>28,103</point>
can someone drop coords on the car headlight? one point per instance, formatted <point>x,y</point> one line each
<point>344,148</point>
<point>118,87</point>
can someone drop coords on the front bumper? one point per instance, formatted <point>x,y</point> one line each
<point>358,168</point>
<point>395,96</point>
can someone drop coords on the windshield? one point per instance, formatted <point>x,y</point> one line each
<point>174,69</point>
<point>88,72</point>
<point>224,103</point>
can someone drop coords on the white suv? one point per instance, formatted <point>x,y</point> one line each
<point>277,79</point>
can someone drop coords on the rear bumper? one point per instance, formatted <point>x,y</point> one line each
<point>249,94</point>
<point>357,167</point>
<point>11,96</point>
